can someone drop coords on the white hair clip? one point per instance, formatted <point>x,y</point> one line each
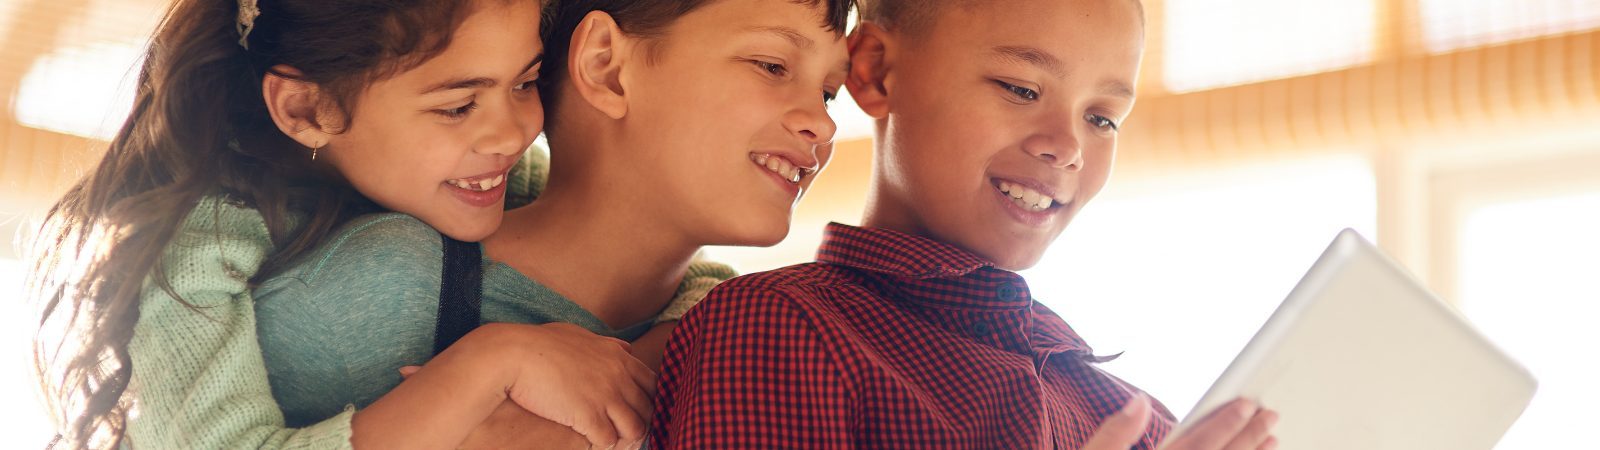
<point>246,20</point>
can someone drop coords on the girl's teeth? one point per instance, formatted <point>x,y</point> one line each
<point>479,185</point>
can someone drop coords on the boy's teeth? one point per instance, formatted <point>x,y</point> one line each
<point>780,166</point>
<point>1026,198</point>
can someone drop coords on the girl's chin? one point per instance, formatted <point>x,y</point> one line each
<point>474,231</point>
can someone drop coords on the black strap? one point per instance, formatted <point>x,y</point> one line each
<point>460,293</point>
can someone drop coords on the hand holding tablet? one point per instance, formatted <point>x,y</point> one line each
<point>1361,356</point>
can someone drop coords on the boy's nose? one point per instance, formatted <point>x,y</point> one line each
<point>812,125</point>
<point>1059,150</point>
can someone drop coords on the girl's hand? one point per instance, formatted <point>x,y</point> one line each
<point>1238,425</point>
<point>511,427</point>
<point>572,377</point>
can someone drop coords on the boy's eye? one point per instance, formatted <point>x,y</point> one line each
<point>772,68</point>
<point>827,97</point>
<point>457,112</point>
<point>1101,122</point>
<point>527,85</point>
<point>1019,92</point>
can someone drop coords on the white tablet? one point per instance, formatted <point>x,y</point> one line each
<point>1361,356</point>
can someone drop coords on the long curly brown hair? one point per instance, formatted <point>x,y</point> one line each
<point>200,127</point>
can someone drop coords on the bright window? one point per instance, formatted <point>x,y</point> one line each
<point>1180,273</point>
<point>1213,43</point>
<point>1527,276</point>
<point>1453,24</point>
<point>22,421</point>
<point>84,91</point>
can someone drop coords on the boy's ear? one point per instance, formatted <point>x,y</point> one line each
<point>869,68</point>
<point>595,61</point>
<point>297,107</point>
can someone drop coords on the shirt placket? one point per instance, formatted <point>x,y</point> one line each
<point>1016,338</point>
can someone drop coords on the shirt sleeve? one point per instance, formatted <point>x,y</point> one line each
<point>198,377</point>
<point>748,369</point>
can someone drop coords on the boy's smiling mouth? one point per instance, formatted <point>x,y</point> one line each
<point>780,166</point>
<point>1024,195</point>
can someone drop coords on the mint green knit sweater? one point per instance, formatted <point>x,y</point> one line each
<point>199,380</point>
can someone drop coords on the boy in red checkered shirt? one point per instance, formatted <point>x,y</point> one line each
<point>996,121</point>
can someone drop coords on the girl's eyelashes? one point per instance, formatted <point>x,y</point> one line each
<point>457,113</point>
<point>1018,93</point>
<point>532,82</point>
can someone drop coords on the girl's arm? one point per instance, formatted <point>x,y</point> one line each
<point>199,379</point>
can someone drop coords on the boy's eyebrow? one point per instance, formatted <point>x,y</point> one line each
<point>794,37</point>
<point>476,82</point>
<point>1116,89</point>
<point>1048,62</point>
<point>1033,56</point>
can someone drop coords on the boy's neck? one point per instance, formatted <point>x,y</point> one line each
<point>583,240</point>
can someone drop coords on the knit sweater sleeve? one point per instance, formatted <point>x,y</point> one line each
<point>527,177</point>
<point>198,377</point>
<point>703,274</point>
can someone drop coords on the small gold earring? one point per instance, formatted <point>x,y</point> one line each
<point>314,152</point>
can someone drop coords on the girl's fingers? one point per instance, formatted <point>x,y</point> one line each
<point>630,425</point>
<point>405,372</point>
<point>596,426</point>
<point>641,375</point>
<point>640,402</point>
<point>1123,429</point>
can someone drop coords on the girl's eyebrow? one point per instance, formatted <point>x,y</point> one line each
<point>476,82</point>
<point>788,34</point>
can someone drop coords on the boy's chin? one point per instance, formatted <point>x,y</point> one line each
<point>757,235</point>
<point>1016,262</point>
<point>1014,255</point>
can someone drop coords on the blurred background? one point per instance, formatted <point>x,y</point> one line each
<point>1463,136</point>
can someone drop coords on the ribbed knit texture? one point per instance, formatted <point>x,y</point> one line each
<point>198,378</point>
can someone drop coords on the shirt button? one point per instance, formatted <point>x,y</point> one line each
<point>1009,292</point>
<point>981,329</point>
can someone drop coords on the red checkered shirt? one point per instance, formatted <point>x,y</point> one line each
<point>888,341</point>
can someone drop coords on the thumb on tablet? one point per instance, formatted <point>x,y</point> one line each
<point>1123,429</point>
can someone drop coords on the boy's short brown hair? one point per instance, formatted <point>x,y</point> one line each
<point>914,16</point>
<point>904,15</point>
<point>640,18</point>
